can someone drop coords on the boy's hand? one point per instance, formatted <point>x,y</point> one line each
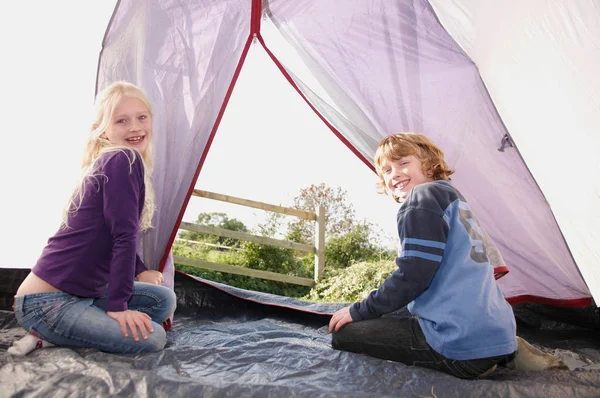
<point>133,320</point>
<point>151,277</point>
<point>339,319</point>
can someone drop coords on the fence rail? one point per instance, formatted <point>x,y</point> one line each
<point>195,242</point>
<point>318,249</point>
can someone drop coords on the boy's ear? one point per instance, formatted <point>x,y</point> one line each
<point>428,170</point>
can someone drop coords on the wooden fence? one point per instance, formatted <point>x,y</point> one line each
<point>318,249</point>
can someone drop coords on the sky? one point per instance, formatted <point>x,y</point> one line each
<point>269,145</point>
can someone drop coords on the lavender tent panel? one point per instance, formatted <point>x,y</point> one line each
<point>400,68</point>
<point>184,55</point>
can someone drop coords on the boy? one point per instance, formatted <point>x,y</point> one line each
<point>460,324</point>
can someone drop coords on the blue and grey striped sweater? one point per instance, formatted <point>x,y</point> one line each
<point>445,278</point>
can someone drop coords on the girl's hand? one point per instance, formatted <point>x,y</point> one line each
<point>134,320</point>
<point>339,319</point>
<point>155,277</point>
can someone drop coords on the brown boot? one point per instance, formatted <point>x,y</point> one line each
<point>530,358</point>
<point>487,372</point>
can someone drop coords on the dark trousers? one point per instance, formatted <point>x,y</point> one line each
<point>400,339</point>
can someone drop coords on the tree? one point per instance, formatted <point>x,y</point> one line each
<point>220,220</point>
<point>339,213</point>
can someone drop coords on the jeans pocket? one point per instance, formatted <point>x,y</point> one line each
<point>48,310</point>
<point>24,318</point>
<point>33,310</point>
<point>54,312</point>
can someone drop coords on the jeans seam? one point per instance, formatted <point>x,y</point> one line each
<point>456,370</point>
<point>158,302</point>
<point>90,343</point>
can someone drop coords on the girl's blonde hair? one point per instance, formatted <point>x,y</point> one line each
<point>401,145</point>
<point>96,146</point>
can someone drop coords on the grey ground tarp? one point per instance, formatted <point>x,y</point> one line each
<point>228,342</point>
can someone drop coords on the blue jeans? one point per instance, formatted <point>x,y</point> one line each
<point>67,320</point>
<point>400,339</point>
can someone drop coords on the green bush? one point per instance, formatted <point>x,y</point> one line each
<point>351,284</point>
<point>191,250</point>
<point>253,256</point>
<point>353,265</point>
<point>274,259</point>
<point>344,250</point>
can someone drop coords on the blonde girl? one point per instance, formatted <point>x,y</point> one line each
<point>89,288</point>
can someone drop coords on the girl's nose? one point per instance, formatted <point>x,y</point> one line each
<point>135,125</point>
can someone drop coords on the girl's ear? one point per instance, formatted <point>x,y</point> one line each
<point>103,135</point>
<point>94,127</point>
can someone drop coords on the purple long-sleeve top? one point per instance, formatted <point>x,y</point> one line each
<point>99,245</point>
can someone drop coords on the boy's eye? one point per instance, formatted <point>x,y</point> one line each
<point>121,121</point>
<point>142,117</point>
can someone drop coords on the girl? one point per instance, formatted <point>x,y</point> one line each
<point>81,292</point>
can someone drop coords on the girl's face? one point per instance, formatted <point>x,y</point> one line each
<point>131,124</point>
<point>402,175</point>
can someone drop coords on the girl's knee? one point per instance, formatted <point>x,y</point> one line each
<point>167,306</point>
<point>156,341</point>
<point>171,301</point>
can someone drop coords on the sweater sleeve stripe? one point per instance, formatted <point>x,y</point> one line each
<point>419,254</point>
<point>423,242</point>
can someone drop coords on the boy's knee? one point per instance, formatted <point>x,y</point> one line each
<point>337,340</point>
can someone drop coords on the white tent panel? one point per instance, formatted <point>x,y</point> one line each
<point>539,61</point>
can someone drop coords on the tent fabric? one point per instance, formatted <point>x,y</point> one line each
<point>388,67</point>
<point>538,61</point>
<point>184,55</point>
<point>411,75</point>
<point>231,342</point>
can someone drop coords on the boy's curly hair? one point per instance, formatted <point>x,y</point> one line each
<point>400,145</point>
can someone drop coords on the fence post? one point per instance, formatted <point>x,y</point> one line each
<point>320,243</point>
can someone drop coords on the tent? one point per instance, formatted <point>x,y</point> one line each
<point>503,90</point>
<point>495,85</point>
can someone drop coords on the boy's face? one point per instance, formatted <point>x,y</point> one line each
<point>402,175</point>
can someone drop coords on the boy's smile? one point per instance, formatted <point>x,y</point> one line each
<point>402,175</point>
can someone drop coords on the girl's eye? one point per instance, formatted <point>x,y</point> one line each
<point>121,121</point>
<point>403,163</point>
<point>386,171</point>
<point>142,117</point>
